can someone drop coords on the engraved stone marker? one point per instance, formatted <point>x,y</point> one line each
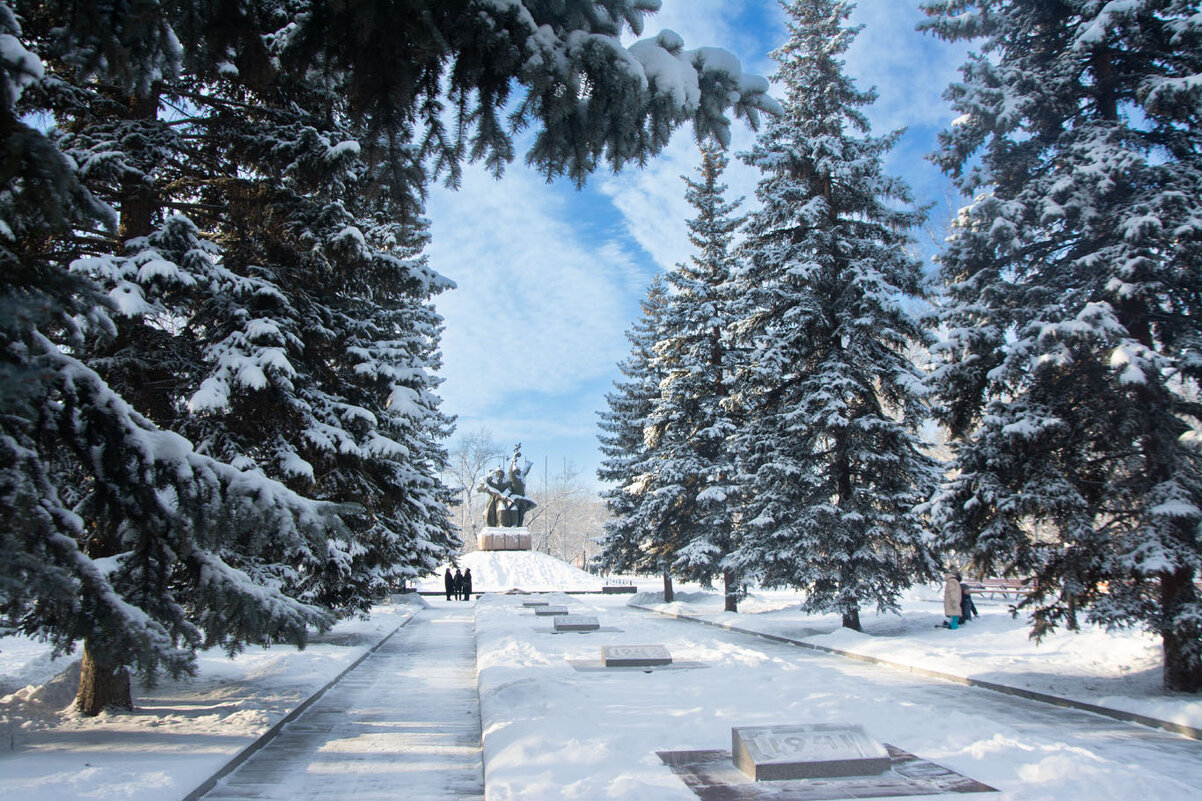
<point>635,655</point>
<point>529,604</point>
<point>806,751</point>
<point>498,538</point>
<point>550,610</point>
<point>576,623</point>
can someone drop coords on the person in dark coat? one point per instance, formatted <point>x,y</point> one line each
<point>467,584</point>
<point>458,585</point>
<point>968,610</point>
<point>449,581</point>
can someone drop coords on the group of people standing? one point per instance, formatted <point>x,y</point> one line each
<point>957,602</point>
<point>459,584</point>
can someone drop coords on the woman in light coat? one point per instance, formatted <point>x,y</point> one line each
<point>951,600</point>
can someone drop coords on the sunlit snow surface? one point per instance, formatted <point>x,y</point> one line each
<point>500,571</point>
<point>553,731</point>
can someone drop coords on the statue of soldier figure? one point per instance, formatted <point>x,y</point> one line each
<point>507,502</point>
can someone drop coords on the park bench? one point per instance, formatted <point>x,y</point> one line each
<point>1015,588</point>
<point>1003,587</point>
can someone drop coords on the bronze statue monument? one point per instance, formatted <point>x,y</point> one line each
<point>507,502</point>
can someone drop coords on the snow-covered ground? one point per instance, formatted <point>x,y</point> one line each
<point>1120,670</point>
<point>555,732</point>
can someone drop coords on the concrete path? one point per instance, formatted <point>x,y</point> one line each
<point>404,725</point>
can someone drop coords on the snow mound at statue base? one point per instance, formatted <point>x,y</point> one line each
<point>501,571</point>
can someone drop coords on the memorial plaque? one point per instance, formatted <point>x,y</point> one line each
<point>550,610</point>
<point>806,751</point>
<point>576,623</point>
<point>529,604</point>
<point>635,655</point>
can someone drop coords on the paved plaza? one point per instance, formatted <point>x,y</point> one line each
<point>405,724</point>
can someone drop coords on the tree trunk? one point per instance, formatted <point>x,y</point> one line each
<point>1071,613</point>
<point>102,687</point>
<point>669,595</point>
<point>847,577</point>
<point>1182,649</point>
<point>732,591</point>
<point>139,202</point>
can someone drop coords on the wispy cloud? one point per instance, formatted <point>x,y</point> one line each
<point>539,307</point>
<point>910,69</point>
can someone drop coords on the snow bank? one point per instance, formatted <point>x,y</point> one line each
<point>501,571</point>
<point>1118,670</point>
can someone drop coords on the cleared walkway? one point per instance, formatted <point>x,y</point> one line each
<point>404,725</point>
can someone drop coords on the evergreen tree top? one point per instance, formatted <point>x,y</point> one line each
<point>819,96</point>
<point>1133,64</point>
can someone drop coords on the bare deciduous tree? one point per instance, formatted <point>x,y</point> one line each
<point>468,460</point>
<point>569,517</point>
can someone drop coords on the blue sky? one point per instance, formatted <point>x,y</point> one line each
<point>550,278</point>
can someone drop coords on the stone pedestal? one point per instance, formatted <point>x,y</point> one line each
<point>498,538</point>
<point>635,655</point>
<point>806,751</point>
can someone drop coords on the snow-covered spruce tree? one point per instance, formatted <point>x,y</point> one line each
<point>831,461</point>
<point>633,541</point>
<point>690,471</point>
<point>1070,371</point>
<point>342,404</point>
<point>281,342</point>
<point>113,527</point>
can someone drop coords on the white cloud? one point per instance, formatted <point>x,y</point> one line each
<point>539,308</point>
<point>909,69</point>
<point>652,200</point>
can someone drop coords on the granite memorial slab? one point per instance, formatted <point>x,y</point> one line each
<point>712,776</point>
<point>806,751</point>
<point>543,611</point>
<point>530,604</point>
<point>576,623</point>
<point>635,655</point>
